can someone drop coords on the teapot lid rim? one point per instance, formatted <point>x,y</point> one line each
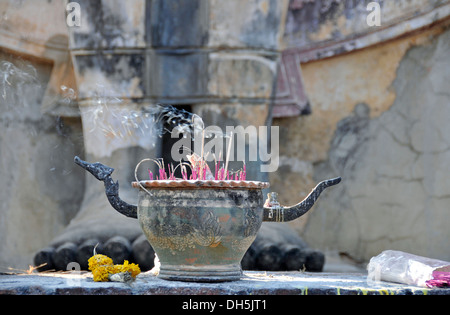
<point>234,184</point>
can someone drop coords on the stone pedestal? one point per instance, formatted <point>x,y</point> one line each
<point>260,285</point>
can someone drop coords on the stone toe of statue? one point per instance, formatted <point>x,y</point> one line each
<point>278,248</point>
<point>97,226</point>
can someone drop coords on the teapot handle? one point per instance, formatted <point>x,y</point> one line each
<point>274,212</point>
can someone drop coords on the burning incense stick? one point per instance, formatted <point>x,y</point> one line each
<point>228,152</point>
<point>202,161</point>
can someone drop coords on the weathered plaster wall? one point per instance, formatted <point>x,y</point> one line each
<point>379,121</point>
<point>41,190</point>
<point>312,23</point>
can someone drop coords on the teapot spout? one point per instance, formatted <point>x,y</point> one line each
<point>273,212</point>
<point>103,173</point>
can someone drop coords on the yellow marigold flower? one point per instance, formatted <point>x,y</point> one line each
<point>133,268</point>
<point>99,260</point>
<point>102,267</point>
<point>127,267</point>
<point>101,273</point>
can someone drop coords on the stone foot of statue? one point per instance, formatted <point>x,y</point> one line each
<point>278,248</point>
<point>97,226</point>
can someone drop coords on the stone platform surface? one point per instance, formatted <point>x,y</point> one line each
<point>252,283</point>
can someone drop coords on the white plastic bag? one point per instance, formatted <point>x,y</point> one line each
<point>401,267</point>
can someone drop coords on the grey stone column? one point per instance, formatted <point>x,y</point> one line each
<point>220,57</point>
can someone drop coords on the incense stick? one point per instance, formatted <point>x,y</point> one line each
<point>228,153</point>
<point>201,159</point>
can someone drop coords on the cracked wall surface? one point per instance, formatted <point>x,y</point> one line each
<point>380,120</point>
<point>41,188</point>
